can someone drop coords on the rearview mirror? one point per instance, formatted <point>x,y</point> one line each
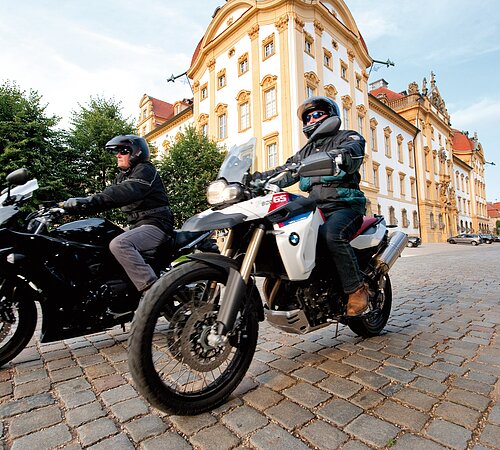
<point>18,177</point>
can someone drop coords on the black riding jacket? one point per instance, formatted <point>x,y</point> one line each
<point>140,193</point>
<point>337,191</point>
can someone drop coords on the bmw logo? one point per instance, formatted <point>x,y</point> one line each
<point>294,239</point>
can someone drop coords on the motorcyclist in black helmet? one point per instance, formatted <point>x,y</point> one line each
<point>138,190</point>
<point>338,196</point>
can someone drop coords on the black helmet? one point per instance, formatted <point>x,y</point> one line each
<point>325,104</point>
<point>136,145</point>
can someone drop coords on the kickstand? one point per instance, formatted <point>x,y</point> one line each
<point>336,330</point>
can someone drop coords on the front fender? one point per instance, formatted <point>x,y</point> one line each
<point>216,260</point>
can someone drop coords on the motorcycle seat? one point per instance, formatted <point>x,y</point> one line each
<point>367,223</point>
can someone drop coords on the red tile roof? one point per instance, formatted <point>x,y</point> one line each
<point>462,143</point>
<point>384,92</point>
<point>161,109</point>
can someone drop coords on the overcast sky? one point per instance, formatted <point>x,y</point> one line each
<point>69,50</point>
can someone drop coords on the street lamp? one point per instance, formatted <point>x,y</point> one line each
<point>490,163</point>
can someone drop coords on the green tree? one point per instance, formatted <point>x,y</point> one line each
<point>192,162</point>
<point>92,126</point>
<point>29,138</point>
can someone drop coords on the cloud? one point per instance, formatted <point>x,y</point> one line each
<point>484,113</point>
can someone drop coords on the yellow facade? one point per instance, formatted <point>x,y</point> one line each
<point>259,60</point>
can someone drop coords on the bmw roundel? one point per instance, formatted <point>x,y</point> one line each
<point>294,239</point>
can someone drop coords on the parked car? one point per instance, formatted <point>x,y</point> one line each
<point>487,238</point>
<point>496,238</point>
<point>465,238</point>
<point>414,241</point>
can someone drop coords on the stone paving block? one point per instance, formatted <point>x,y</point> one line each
<point>99,370</point>
<point>33,375</point>
<point>264,356</point>
<point>285,365</point>
<point>67,373</point>
<point>78,416</point>
<point>262,398</point>
<point>96,430</point>
<point>274,437</point>
<point>490,436</point>
<point>373,354</point>
<point>339,386</point>
<point>244,420</point>
<point>108,382</point>
<point>306,395</point>
<point>403,416</point>
<point>78,398</point>
<point>118,394</point>
<point>217,437</point>
<point>369,379</point>
<point>287,352</point>
<point>25,404</point>
<point>6,388</point>
<point>145,427</point>
<point>355,445</point>
<point>289,414</point>
<point>361,363</point>
<point>449,434</point>
<point>334,354</point>
<point>494,416</point>
<point>192,424</point>
<point>417,399</point>
<point>458,414</point>
<point>337,368</point>
<point>340,412</point>
<point>371,430</point>
<point>275,380</point>
<point>475,386</point>
<point>60,364</point>
<point>367,399</point>
<point>32,388</point>
<point>412,442</point>
<point>166,441</point>
<point>45,439</point>
<point>34,420</point>
<point>310,374</point>
<point>448,368</point>
<point>428,386</point>
<point>470,399</point>
<point>128,409</point>
<point>323,435</point>
<point>398,362</point>
<point>117,442</point>
<point>397,374</point>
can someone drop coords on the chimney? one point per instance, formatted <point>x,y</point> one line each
<point>378,84</point>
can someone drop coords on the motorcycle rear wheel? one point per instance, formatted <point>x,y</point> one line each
<point>18,318</point>
<point>172,364</point>
<point>374,322</point>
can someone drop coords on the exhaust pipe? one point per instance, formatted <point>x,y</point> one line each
<point>385,260</point>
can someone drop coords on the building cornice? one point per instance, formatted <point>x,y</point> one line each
<point>376,105</point>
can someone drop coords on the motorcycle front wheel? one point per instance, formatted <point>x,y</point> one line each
<point>172,361</point>
<point>18,318</point>
<point>372,323</point>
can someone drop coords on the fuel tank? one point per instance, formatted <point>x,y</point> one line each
<point>93,231</point>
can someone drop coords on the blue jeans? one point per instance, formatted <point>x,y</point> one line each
<point>336,233</point>
<point>126,248</point>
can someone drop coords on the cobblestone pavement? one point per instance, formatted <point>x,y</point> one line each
<point>431,381</point>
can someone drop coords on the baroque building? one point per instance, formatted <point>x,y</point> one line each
<point>260,59</point>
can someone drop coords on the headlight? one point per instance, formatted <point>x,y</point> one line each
<point>219,192</point>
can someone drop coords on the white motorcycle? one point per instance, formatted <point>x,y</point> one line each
<point>195,332</point>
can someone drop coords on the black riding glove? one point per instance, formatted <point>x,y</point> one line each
<point>77,204</point>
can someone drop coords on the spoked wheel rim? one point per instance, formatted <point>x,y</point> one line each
<point>176,360</point>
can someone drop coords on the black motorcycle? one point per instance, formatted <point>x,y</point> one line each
<point>68,269</point>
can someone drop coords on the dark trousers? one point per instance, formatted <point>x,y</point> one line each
<point>126,248</point>
<point>336,232</point>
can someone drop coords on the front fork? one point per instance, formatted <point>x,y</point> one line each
<point>235,289</point>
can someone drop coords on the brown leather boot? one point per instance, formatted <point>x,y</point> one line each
<point>358,302</point>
